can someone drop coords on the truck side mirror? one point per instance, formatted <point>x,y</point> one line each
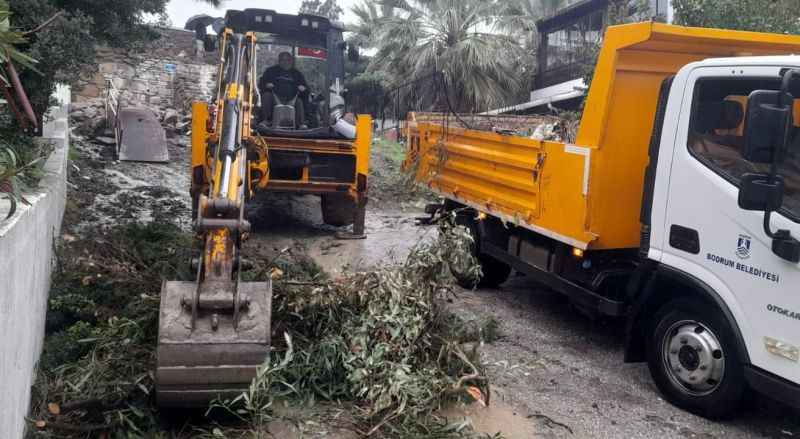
<point>766,135</point>
<point>765,126</point>
<point>761,193</point>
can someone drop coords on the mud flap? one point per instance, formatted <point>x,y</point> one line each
<point>195,367</point>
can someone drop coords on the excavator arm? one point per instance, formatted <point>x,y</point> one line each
<point>214,332</point>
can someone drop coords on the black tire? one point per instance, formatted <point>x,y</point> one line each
<point>692,340</point>
<point>337,210</point>
<point>494,272</point>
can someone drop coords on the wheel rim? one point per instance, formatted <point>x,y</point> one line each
<point>693,357</point>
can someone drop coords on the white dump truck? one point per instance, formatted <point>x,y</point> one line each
<point>677,207</point>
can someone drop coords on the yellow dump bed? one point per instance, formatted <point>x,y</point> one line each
<point>585,193</point>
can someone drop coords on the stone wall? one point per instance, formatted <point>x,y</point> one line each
<point>26,252</point>
<point>164,76</point>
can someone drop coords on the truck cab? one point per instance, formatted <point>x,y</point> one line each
<point>704,235</point>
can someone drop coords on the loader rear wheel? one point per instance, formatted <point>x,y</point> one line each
<point>693,359</point>
<point>338,210</point>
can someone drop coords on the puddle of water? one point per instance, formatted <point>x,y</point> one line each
<point>389,239</point>
<point>498,417</point>
<point>281,220</point>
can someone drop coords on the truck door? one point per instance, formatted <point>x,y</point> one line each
<point>710,238</point>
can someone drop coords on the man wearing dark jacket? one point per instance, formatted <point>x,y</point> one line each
<point>286,82</point>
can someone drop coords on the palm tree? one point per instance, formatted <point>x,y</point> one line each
<point>369,15</point>
<point>214,3</point>
<point>519,16</point>
<point>455,37</point>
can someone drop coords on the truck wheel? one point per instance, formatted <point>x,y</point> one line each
<point>693,359</point>
<point>494,272</point>
<point>337,210</point>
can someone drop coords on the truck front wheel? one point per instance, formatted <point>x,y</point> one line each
<point>494,272</point>
<point>693,359</point>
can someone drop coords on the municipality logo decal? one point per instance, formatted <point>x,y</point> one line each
<point>743,247</point>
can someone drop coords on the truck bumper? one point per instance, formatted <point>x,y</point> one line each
<point>773,386</point>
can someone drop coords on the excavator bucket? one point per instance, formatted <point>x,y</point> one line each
<point>216,359</point>
<point>140,137</point>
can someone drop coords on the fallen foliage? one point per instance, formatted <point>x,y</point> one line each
<point>381,340</point>
<point>379,345</point>
<point>96,371</point>
<point>561,127</point>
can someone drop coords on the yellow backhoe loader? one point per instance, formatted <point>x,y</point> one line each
<point>215,332</point>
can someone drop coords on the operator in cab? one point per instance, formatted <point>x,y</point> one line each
<point>287,83</point>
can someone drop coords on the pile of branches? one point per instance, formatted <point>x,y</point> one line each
<point>377,344</point>
<point>380,340</point>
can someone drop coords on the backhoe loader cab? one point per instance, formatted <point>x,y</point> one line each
<point>318,49</point>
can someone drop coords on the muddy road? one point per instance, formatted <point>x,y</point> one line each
<point>560,371</point>
<point>284,220</point>
<point>554,372</point>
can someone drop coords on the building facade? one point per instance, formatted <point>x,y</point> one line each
<point>567,43</point>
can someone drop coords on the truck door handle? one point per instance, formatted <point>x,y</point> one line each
<point>685,239</point>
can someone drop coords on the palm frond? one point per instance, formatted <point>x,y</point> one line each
<point>460,38</point>
<point>214,3</point>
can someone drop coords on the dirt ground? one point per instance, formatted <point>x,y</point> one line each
<point>554,373</point>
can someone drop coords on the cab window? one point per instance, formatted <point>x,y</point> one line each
<point>716,134</point>
<point>313,68</point>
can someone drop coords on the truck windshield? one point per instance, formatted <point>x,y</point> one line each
<point>310,62</point>
<point>716,134</point>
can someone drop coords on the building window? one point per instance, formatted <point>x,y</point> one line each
<point>568,47</point>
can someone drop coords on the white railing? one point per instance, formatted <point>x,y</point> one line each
<point>112,108</point>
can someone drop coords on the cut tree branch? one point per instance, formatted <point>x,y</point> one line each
<point>43,25</point>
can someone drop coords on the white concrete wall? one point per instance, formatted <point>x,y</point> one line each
<point>26,255</point>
